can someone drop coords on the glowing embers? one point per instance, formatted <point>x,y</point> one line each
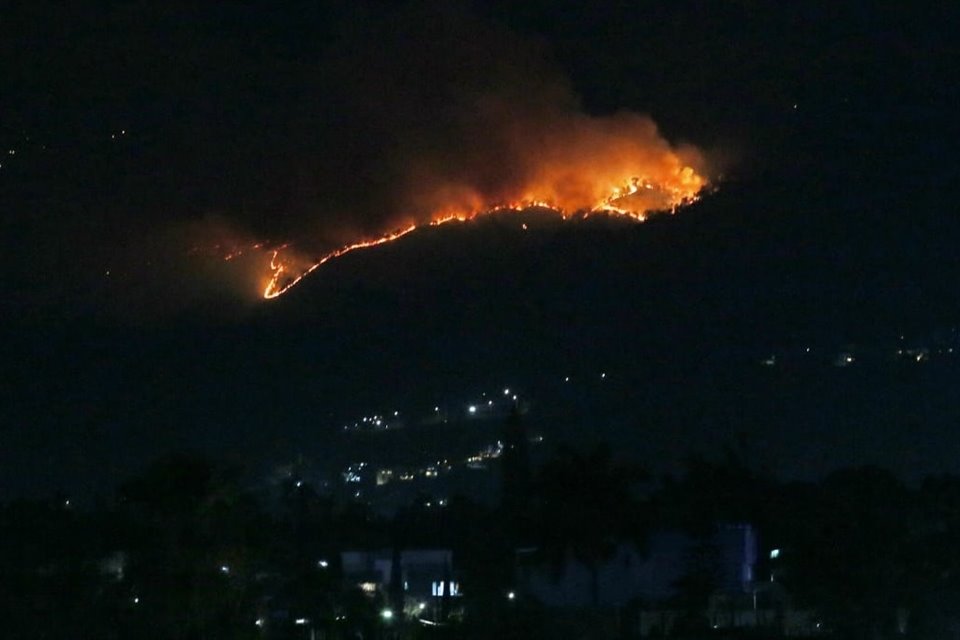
<point>634,198</point>
<point>286,274</point>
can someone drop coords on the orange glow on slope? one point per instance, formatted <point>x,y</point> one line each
<point>633,198</point>
<point>567,163</point>
<point>278,284</point>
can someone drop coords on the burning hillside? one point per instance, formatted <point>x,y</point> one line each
<point>634,199</point>
<point>447,118</point>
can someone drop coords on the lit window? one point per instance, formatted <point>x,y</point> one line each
<point>443,588</point>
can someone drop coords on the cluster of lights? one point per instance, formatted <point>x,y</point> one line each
<point>352,474</point>
<point>384,422</point>
<point>475,461</point>
<point>386,475</point>
<point>489,452</point>
<point>917,354</point>
<point>486,404</point>
<point>375,422</point>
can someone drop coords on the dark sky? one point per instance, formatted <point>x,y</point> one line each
<point>140,131</point>
<point>134,124</point>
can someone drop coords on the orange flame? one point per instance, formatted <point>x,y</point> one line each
<point>278,284</point>
<point>633,198</point>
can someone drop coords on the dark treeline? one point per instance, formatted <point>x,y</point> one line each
<point>187,550</point>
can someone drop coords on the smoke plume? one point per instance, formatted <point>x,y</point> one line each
<point>426,112</point>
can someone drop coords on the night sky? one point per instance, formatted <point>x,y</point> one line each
<point>137,139</point>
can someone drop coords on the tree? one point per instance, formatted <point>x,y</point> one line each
<point>199,543</point>
<point>712,492</point>
<point>586,507</point>
<point>849,552</point>
<point>51,586</point>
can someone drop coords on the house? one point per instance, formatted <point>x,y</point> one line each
<point>651,588</point>
<point>426,576</point>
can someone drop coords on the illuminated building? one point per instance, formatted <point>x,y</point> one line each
<point>425,573</point>
<point>650,577</point>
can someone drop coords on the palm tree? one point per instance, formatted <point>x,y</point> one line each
<point>197,547</point>
<point>586,507</point>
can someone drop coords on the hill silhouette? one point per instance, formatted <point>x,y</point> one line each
<point>679,310</point>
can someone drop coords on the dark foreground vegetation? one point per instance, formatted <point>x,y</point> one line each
<point>188,550</point>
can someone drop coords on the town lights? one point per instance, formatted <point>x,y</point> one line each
<point>387,614</point>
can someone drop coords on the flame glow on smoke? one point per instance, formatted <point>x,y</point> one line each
<point>449,118</point>
<point>629,189</point>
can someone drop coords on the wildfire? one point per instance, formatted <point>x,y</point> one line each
<point>633,198</point>
<point>280,282</point>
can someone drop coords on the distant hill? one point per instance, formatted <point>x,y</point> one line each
<point>680,309</point>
